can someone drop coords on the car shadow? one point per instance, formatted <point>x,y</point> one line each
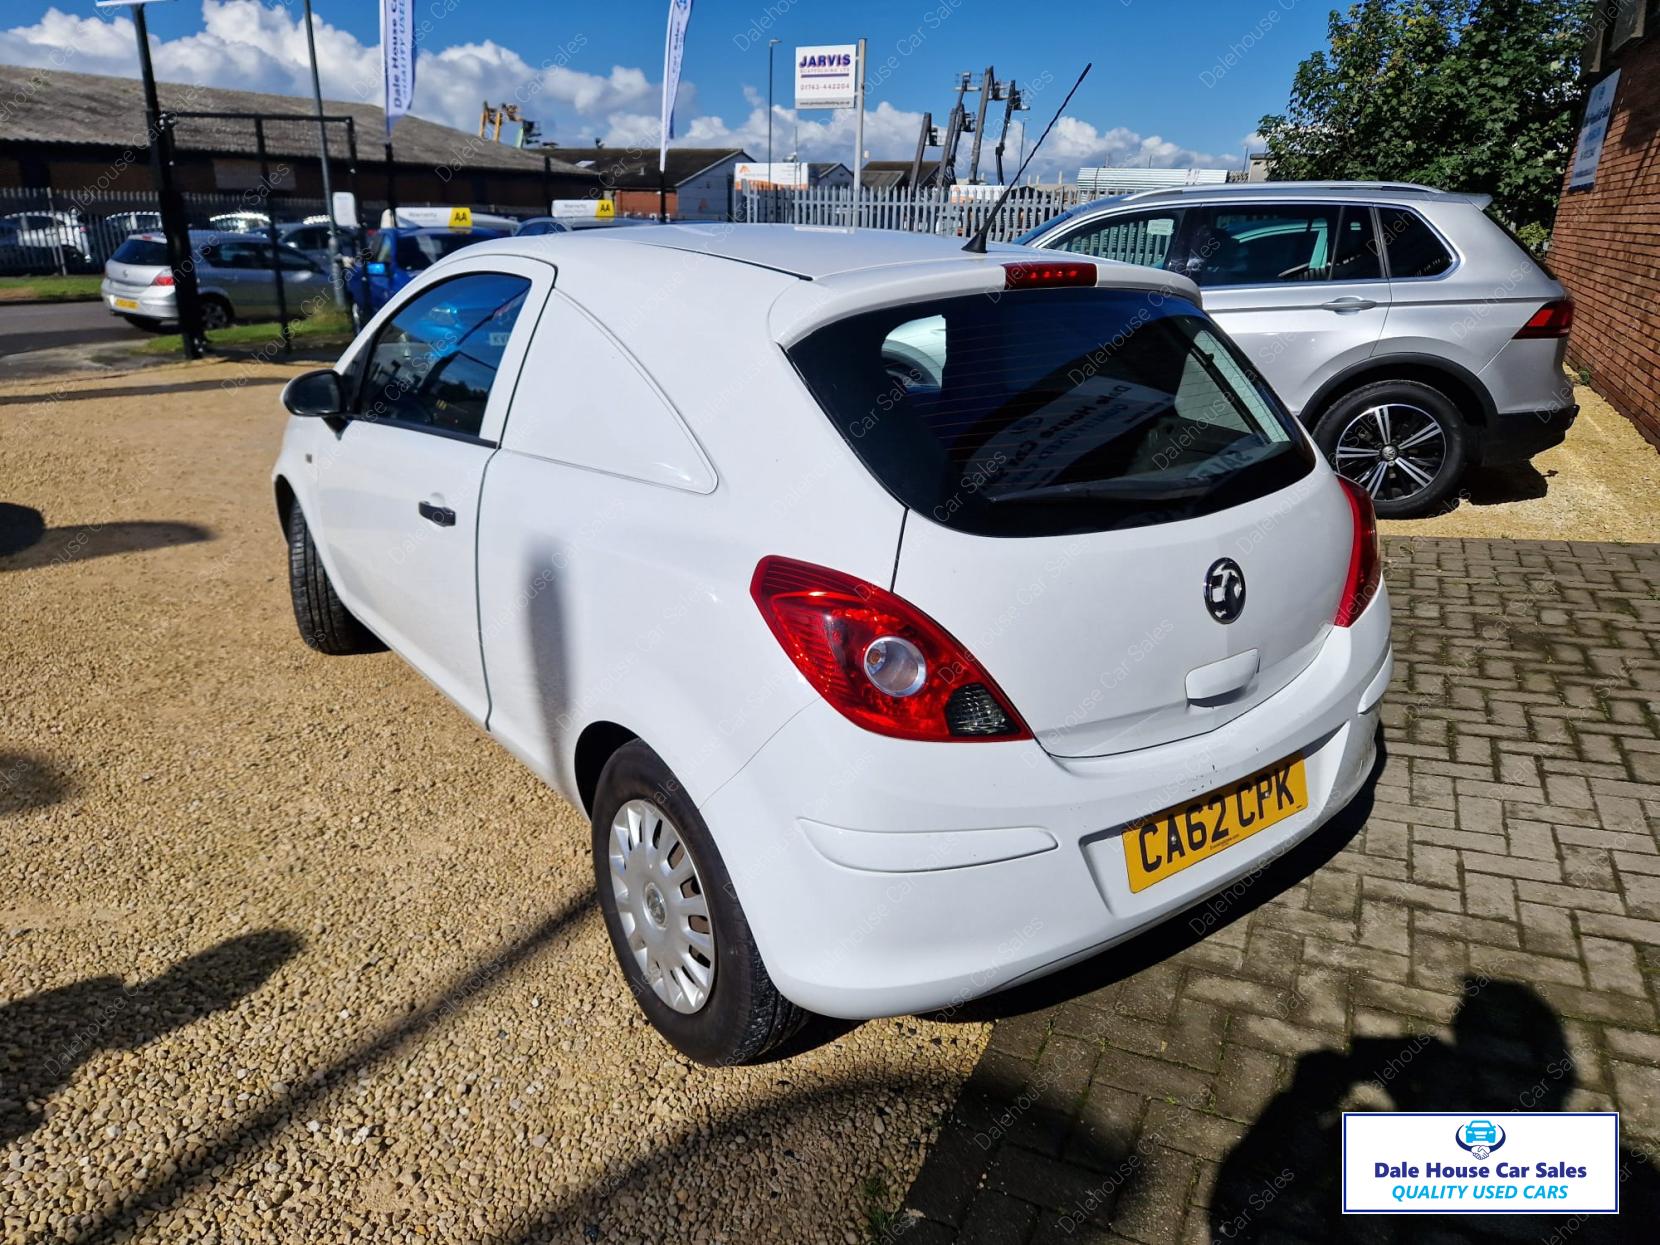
<point>49,1035</point>
<point>216,1150</point>
<point>673,1161</point>
<point>1185,929</point>
<point>26,542</point>
<point>1509,1052</point>
<point>28,782</point>
<point>1496,486</point>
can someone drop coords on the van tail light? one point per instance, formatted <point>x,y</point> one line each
<point>162,278</point>
<point>1554,319</point>
<point>1046,274</point>
<point>881,663</point>
<point>1361,583</point>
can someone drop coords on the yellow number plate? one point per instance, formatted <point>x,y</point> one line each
<point>1170,841</point>
<point>129,304</point>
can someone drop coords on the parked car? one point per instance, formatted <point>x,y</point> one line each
<point>233,276</point>
<point>879,696</point>
<point>52,239</point>
<point>240,222</point>
<point>398,256</point>
<point>312,237</point>
<point>1402,324</point>
<point>536,226</point>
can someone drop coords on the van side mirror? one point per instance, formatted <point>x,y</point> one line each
<point>315,393</point>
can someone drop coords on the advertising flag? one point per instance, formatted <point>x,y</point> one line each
<point>674,47</point>
<point>397,54</point>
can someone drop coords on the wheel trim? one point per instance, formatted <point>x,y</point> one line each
<point>214,315</point>
<point>1394,450</point>
<point>662,906</point>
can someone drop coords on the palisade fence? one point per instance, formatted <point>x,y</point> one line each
<point>47,231</point>
<point>58,231</point>
<point>956,211</point>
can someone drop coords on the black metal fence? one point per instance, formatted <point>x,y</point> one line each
<point>54,231</point>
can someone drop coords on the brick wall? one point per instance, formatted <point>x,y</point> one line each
<point>1607,249</point>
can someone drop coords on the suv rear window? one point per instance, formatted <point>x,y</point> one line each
<point>1048,412</point>
<point>141,251</point>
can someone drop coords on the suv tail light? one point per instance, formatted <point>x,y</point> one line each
<point>881,663</point>
<point>162,278</point>
<point>1554,319</point>
<point>1361,583</point>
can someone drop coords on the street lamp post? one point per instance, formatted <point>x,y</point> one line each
<point>771,43</point>
<point>338,285</point>
<point>174,225</point>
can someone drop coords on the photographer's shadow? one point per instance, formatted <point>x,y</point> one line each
<point>1508,1053</point>
<point>49,1035</point>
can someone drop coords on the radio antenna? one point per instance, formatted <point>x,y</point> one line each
<point>977,244</point>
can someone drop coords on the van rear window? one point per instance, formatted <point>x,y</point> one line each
<point>1047,412</point>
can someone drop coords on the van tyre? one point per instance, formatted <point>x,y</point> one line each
<point>1405,442</point>
<point>325,624</point>
<point>659,875</point>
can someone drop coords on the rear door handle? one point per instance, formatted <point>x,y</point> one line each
<point>1350,303</point>
<point>443,516</point>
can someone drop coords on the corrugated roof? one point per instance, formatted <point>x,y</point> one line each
<point>56,106</point>
<point>879,174</point>
<point>633,168</point>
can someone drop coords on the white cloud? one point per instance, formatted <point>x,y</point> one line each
<point>262,46</point>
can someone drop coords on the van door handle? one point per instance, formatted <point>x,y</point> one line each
<point>443,516</point>
<point>1350,303</point>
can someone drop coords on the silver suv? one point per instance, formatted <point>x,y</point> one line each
<point>1404,326</point>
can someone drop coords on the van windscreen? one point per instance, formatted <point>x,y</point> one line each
<point>1048,412</point>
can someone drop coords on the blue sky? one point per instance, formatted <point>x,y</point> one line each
<point>1175,82</point>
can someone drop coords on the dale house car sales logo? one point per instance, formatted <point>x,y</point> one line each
<point>1511,1163</point>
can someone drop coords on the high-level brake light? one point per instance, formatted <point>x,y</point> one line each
<point>1047,274</point>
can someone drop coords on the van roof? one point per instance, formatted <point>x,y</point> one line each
<point>809,253</point>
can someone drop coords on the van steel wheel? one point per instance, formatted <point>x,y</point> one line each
<point>661,906</point>
<point>674,918</point>
<point>1401,441</point>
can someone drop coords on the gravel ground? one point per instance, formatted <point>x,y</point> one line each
<point>1599,484</point>
<point>290,952</point>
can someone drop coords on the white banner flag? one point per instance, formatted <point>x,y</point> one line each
<point>680,13</point>
<point>397,57</point>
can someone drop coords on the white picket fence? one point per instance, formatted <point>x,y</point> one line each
<point>955,212</point>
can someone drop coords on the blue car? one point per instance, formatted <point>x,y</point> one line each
<point>1480,1131</point>
<point>397,256</point>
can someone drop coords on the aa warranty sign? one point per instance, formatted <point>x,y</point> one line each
<point>1506,1163</point>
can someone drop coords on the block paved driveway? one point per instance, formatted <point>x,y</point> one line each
<point>1481,931</point>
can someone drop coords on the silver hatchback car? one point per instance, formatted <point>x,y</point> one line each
<point>1401,324</point>
<point>233,275</point>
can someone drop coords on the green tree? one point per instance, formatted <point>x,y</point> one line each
<point>1473,95</point>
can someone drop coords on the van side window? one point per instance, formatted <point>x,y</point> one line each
<point>1411,245</point>
<point>1141,238</point>
<point>435,360</point>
